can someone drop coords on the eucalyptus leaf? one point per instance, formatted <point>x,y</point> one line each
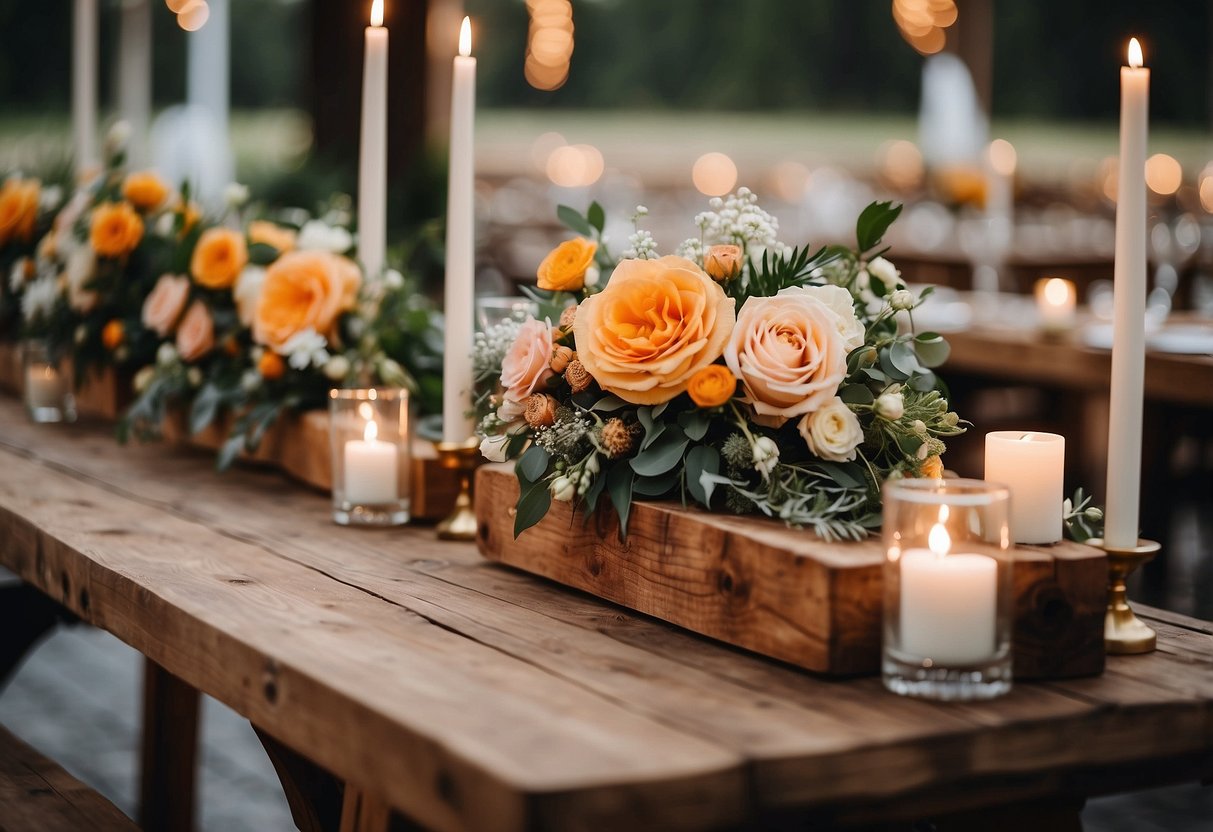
<point>533,464</point>
<point>890,370</point>
<point>656,486</point>
<point>903,358</point>
<point>923,381</point>
<point>533,504</point>
<point>574,220</point>
<point>932,352</point>
<point>702,459</point>
<point>205,406</point>
<point>694,424</point>
<point>596,216</point>
<point>262,254</point>
<point>856,394</point>
<point>609,404</point>
<point>663,455</point>
<point>846,474</point>
<point>620,480</point>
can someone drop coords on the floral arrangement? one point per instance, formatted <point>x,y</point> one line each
<point>738,373</point>
<point>27,210</point>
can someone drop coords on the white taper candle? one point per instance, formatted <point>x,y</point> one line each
<point>372,156</point>
<point>84,84</point>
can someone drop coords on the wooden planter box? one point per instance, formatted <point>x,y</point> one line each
<point>784,593</point>
<point>12,379</point>
<point>298,445</point>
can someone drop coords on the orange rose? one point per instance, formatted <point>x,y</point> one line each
<point>271,366</point>
<point>723,262</point>
<point>219,257</point>
<point>712,386</point>
<point>116,229</point>
<point>304,290</point>
<point>563,270</point>
<point>196,334</point>
<point>144,190</point>
<point>657,323</point>
<point>933,467</point>
<point>271,234</point>
<point>18,209</point>
<point>112,334</point>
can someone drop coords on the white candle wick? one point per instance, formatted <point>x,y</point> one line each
<point>465,37</point>
<point>1135,57</point>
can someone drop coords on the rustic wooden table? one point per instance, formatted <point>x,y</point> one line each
<point>388,671</point>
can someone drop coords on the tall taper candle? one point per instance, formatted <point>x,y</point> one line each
<point>84,84</point>
<point>135,76</point>
<point>1128,346</point>
<point>460,248</point>
<point>372,157</point>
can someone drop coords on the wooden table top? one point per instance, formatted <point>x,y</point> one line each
<point>473,697</point>
<point>1024,356</point>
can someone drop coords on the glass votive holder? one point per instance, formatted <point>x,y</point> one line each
<point>48,393</point>
<point>947,589</point>
<point>1056,303</point>
<point>369,434</point>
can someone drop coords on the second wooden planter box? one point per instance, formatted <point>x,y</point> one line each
<point>781,592</point>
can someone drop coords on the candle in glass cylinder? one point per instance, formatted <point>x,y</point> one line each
<point>1056,303</point>
<point>949,603</point>
<point>372,156</point>
<point>1032,465</point>
<point>457,425</point>
<point>370,469</point>
<point>84,85</point>
<point>44,386</point>
<point>1129,305</point>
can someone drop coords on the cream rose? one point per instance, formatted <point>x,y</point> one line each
<point>832,432</point>
<point>528,363</point>
<point>657,324</point>
<point>789,353</point>
<point>164,304</point>
<point>247,293</point>
<point>843,305</point>
<point>196,333</point>
<point>79,270</point>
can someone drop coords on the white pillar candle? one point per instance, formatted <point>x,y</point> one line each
<point>135,76</point>
<point>370,469</point>
<point>1032,465</point>
<point>1129,327</point>
<point>372,156</point>
<point>949,603</point>
<point>84,85</point>
<point>1056,303</point>
<point>457,426</point>
<point>44,386</point>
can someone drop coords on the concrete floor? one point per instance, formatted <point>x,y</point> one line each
<point>76,699</point>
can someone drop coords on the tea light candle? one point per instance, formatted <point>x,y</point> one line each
<point>43,386</point>
<point>370,469</point>
<point>1032,465</point>
<point>948,603</point>
<point>1056,301</point>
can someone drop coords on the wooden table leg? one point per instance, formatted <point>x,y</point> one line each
<point>26,615</point>
<point>170,751</point>
<point>313,794</point>
<point>363,812</point>
<point>1058,814</point>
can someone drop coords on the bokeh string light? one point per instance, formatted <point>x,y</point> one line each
<point>549,43</point>
<point>192,15</point>
<point>922,22</point>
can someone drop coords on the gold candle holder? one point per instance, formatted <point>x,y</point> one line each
<point>462,457</point>
<point>1124,632</point>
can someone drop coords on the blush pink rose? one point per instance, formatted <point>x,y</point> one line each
<point>165,303</point>
<point>789,353</point>
<point>528,363</point>
<point>196,334</point>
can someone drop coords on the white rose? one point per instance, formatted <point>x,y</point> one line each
<point>885,271</point>
<point>890,406</point>
<point>337,368</point>
<point>563,489</point>
<point>247,293</point>
<point>832,432</point>
<point>765,455</point>
<point>902,299</point>
<point>317,236</point>
<point>492,448</point>
<point>841,303</point>
<point>592,276</point>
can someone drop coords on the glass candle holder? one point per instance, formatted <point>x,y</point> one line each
<point>369,433</point>
<point>947,589</point>
<point>1056,302</point>
<point>48,395</point>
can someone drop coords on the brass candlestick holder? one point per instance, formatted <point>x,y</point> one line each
<point>462,457</point>
<point>1124,632</point>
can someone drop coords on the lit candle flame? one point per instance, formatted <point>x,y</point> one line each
<point>939,540</point>
<point>1135,57</point>
<point>377,13</point>
<point>465,37</point>
<point>371,432</point>
<point>1057,291</point>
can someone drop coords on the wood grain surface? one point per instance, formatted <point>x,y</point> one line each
<point>468,696</point>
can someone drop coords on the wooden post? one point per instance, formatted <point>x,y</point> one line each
<point>170,751</point>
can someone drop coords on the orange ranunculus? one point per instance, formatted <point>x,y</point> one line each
<point>304,290</point>
<point>712,386</point>
<point>116,229</point>
<point>18,209</point>
<point>112,334</point>
<point>271,366</point>
<point>219,257</point>
<point>563,270</point>
<point>271,234</point>
<point>657,323</point>
<point>145,190</point>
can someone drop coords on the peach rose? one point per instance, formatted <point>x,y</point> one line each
<point>789,354</point>
<point>164,303</point>
<point>219,257</point>
<point>527,364</point>
<point>657,323</point>
<point>563,270</point>
<point>271,234</point>
<point>304,290</point>
<point>116,229</point>
<point>196,334</point>
<point>723,262</point>
<point>18,209</point>
<point>144,190</point>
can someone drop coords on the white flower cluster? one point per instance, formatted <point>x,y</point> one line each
<point>691,249</point>
<point>39,298</point>
<point>490,347</point>
<point>738,219</point>
<point>641,246</point>
<point>306,348</point>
